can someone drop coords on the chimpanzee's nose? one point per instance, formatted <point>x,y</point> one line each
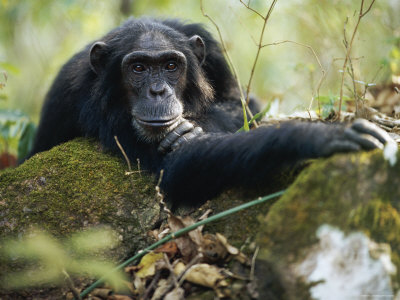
<point>157,89</point>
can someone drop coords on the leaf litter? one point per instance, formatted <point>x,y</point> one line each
<point>190,265</point>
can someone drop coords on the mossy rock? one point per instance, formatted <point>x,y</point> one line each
<point>77,185</point>
<point>335,234</point>
<point>73,186</point>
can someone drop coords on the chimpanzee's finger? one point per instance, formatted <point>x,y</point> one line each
<point>366,141</point>
<point>364,126</point>
<point>175,134</point>
<point>187,137</point>
<point>336,146</point>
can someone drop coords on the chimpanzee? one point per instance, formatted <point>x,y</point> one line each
<point>163,87</point>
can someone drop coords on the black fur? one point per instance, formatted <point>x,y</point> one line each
<point>83,103</point>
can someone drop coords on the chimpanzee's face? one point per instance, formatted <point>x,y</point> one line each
<point>154,76</point>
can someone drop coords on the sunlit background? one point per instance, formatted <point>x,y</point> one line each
<point>37,37</point>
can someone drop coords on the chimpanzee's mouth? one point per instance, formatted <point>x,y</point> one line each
<point>158,123</point>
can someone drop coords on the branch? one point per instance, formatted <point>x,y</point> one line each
<point>235,73</point>
<point>348,47</point>
<point>252,9</point>
<point>259,45</point>
<point>123,153</point>
<point>318,61</point>
<point>368,9</point>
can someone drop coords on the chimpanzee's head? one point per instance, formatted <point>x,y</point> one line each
<point>160,74</point>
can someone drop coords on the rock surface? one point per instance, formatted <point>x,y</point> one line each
<point>334,234</point>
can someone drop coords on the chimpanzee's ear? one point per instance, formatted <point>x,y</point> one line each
<point>97,56</point>
<point>198,48</point>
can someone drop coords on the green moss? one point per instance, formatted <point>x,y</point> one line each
<point>240,226</point>
<point>381,221</point>
<point>357,192</point>
<point>69,186</point>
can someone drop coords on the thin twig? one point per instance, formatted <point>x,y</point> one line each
<point>367,85</point>
<point>259,46</point>
<point>230,62</point>
<point>233,275</point>
<point>189,266</point>
<point>319,64</point>
<point>151,286</point>
<point>160,196</point>
<point>349,47</point>
<point>368,9</point>
<point>123,153</point>
<point>252,9</point>
<point>253,263</point>
<point>138,166</point>
<point>171,270</point>
<point>71,286</point>
<point>177,282</point>
<point>351,71</point>
<point>352,58</point>
<point>237,17</point>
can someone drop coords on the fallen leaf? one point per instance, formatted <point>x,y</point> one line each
<point>162,287</point>
<point>202,274</point>
<point>188,243</point>
<point>101,292</point>
<point>176,294</point>
<point>132,269</point>
<point>170,248</point>
<point>148,264</point>
<point>213,249</point>
<point>233,251</point>
<point>119,297</point>
<point>224,241</point>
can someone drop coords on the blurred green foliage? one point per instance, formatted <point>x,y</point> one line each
<point>37,37</point>
<point>49,261</point>
<point>16,133</point>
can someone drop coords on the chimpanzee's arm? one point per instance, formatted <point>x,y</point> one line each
<point>203,167</point>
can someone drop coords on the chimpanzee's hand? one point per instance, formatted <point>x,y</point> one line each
<point>184,132</point>
<point>361,135</point>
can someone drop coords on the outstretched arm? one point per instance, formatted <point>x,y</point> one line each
<point>203,167</point>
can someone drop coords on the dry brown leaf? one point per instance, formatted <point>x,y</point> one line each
<point>162,287</point>
<point>170,248</point>
<point>176,294</point>
<point>187,244</point>
<point>233,251</point>
<point>202,274</point>
<point>224,241</point>
<point>102,293</point>
<point>139,285</point>
<point>132,269</point>
<point>160,233</point>
<point>195,235</point>
<point>119,297</point>
<point>213,250</point>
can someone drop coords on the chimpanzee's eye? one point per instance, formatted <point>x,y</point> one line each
<point>171,66</point>
<point>139,68</point>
